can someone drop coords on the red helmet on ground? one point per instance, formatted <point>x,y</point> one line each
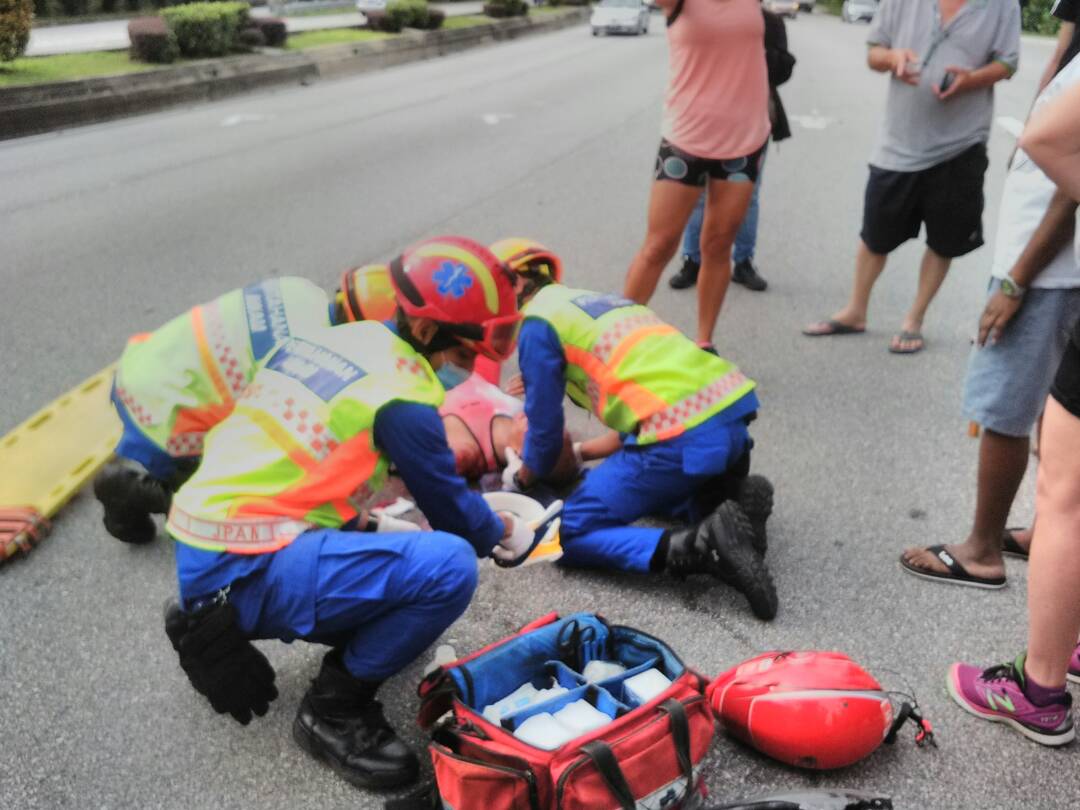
<point>811,709</point>
<point>462,286</point>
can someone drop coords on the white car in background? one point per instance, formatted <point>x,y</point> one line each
<point>620,17</point>
<point>855,10</point>
<point>364,6</point>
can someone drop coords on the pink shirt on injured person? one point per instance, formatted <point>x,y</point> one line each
<point>476,402</point>
<point>717,102</point>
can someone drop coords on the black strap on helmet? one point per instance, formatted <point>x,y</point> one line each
<point>404,283</point>
<point>348,290</point>
<point>909,711</point>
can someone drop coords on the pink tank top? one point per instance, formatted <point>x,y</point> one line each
<point>717,103</point>
<point>476,402</point>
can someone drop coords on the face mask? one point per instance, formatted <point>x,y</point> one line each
<point>451,375</point>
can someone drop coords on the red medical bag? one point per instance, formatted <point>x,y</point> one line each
<point>646,757</point>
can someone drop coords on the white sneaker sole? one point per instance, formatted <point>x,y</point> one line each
<point>1043,739</point>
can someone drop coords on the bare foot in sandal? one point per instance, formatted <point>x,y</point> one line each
<point>905,342</point>
<point>929,561</point>
<point>1016,542</point>
<point>842,323</point>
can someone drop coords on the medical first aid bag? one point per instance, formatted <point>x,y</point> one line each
<point>643,752</point>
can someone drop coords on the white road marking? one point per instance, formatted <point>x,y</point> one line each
<point>491,119</point>
<point>244,118</point>
<point>813,121</point>
<point>1013,126</point>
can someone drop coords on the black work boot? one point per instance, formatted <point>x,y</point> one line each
<point>746,274</point>
<point>129,496</point>
<point>722,546</point>
<point>687,275</point>
<point>341,723</point>
<point>755,496</point>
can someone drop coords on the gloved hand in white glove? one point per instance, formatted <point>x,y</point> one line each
<point>513,467</point>
<point>385,523</point>
<point>517,541</point>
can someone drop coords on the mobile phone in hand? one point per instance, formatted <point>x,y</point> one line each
<point>947,80</point>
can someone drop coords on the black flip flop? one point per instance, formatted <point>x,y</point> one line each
<point>958,575</point>
<point>832,328</point>
<point>907,337</point>
<point>1009,545</point>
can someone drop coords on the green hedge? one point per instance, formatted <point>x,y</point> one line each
<point>16,17</point>
<point>506,8</point>
<point>207,29</point>
<point>412,14</point>
<point>1037,18</point>
<point>378,20</point>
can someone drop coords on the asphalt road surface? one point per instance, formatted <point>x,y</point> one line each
<point>112,229</point>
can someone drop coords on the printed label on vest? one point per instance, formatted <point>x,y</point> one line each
<point>596,304</point>
<point>323,372</point>
<point>237,533</point>
<point>266,318</point>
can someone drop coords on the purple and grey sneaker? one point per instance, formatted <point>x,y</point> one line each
<point>1074,666</point>
<point>997,694</point>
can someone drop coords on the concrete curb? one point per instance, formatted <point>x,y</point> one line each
<point>32,109</point>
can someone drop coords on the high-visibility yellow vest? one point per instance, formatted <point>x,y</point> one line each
<point>181,380</point>
<point>636,373</point>
<point>299,450</point>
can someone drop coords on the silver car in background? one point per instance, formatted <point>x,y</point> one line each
<point>620,17</point>
<point>858,10</point>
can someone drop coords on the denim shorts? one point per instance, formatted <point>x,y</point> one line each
<point>1007,382</point>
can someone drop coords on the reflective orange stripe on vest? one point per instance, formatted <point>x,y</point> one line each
<point>641,402</point>
<point>611,346</point>
<point>326,482</point>
<point>671,422</point>
<point>207,356</point>
<point>184,445</point>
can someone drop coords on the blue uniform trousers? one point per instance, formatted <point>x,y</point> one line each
<point>659,480</point>
<point>383,598</point>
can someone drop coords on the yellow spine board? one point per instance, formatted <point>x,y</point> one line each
<point>50,456</point>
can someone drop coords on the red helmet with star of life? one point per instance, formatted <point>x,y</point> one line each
<point>460,285</point>
<point>811,709</point>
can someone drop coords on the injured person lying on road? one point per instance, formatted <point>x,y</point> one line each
<point>482,422</point>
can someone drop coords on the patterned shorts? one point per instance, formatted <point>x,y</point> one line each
<point>674,164</point>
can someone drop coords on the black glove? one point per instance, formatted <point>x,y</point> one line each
<point>220,662</point>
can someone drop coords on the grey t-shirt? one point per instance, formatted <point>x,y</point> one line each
<point>919,130</point>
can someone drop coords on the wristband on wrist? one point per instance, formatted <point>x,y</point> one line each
<point>576,447</point>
